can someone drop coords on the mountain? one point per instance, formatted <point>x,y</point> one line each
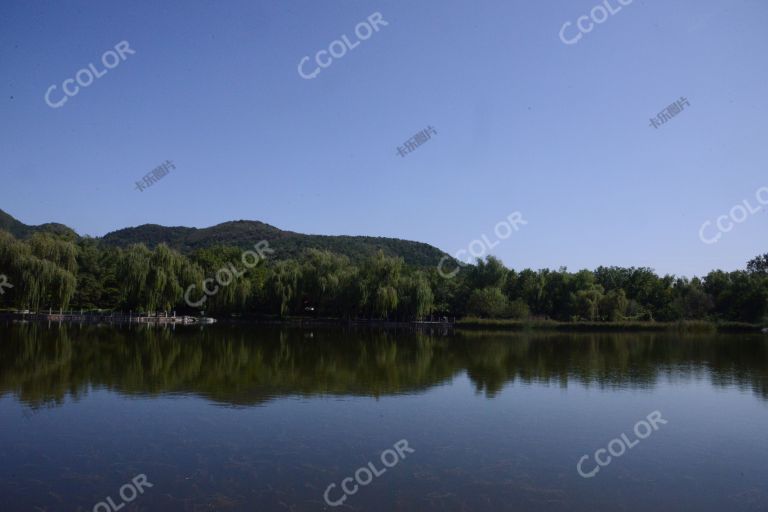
<point>243,234</point>
<point>286,244</point>
<point>21,230</point>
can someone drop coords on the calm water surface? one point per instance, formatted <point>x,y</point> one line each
<point>247,418</point>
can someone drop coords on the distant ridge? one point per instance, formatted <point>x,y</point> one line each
<point>21,230</point>
<point>243,234</point>
<point>287,244</point>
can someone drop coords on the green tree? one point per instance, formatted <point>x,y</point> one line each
<point>488,303</point>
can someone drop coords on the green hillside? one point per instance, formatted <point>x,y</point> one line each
<point>287,244</point>
<point>244,234</point>
<point>21,230</point>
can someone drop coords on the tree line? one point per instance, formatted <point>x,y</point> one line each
<point>55,271</point>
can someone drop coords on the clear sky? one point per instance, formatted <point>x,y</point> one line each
<point>524,123</point>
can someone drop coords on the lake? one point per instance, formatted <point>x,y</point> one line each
<point>287,419</point>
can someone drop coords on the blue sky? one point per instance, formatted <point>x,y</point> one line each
<point>524,123</point>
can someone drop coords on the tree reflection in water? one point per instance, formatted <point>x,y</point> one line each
<point>238,365</point>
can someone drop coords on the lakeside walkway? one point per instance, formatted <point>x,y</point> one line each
<point>112,318</point>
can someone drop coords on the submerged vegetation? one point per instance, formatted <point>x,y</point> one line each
<point>63,271</point>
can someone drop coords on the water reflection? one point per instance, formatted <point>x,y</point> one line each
<point>42,365</point>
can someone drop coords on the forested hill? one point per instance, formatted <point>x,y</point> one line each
<point>244,234</point>
<point>286,244</point>
<point>21,230</point>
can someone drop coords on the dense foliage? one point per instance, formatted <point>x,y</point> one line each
<point>287,244</point>
<point>59,271</point>
<point>243,234</point>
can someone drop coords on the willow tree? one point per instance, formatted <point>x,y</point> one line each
<point>415,296</point>
<point>385,301</point>
<point>586,303</point>
<point>163,287</point>
<point>59,285</point>
<point>132,274</point>
<point>236,281</point>
<point>36,282</point>
<point>379,279</point>
<point>12,254</point>
<point>424,299</point>
<point>613,305</point>
<point>55,249</point>
<point>281,286</point>
<point>322,279</point>
<point>155,280</point>
<point>350,294</point>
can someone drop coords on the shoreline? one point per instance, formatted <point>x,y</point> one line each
<point>625,326</point>
<point>470,324</point>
